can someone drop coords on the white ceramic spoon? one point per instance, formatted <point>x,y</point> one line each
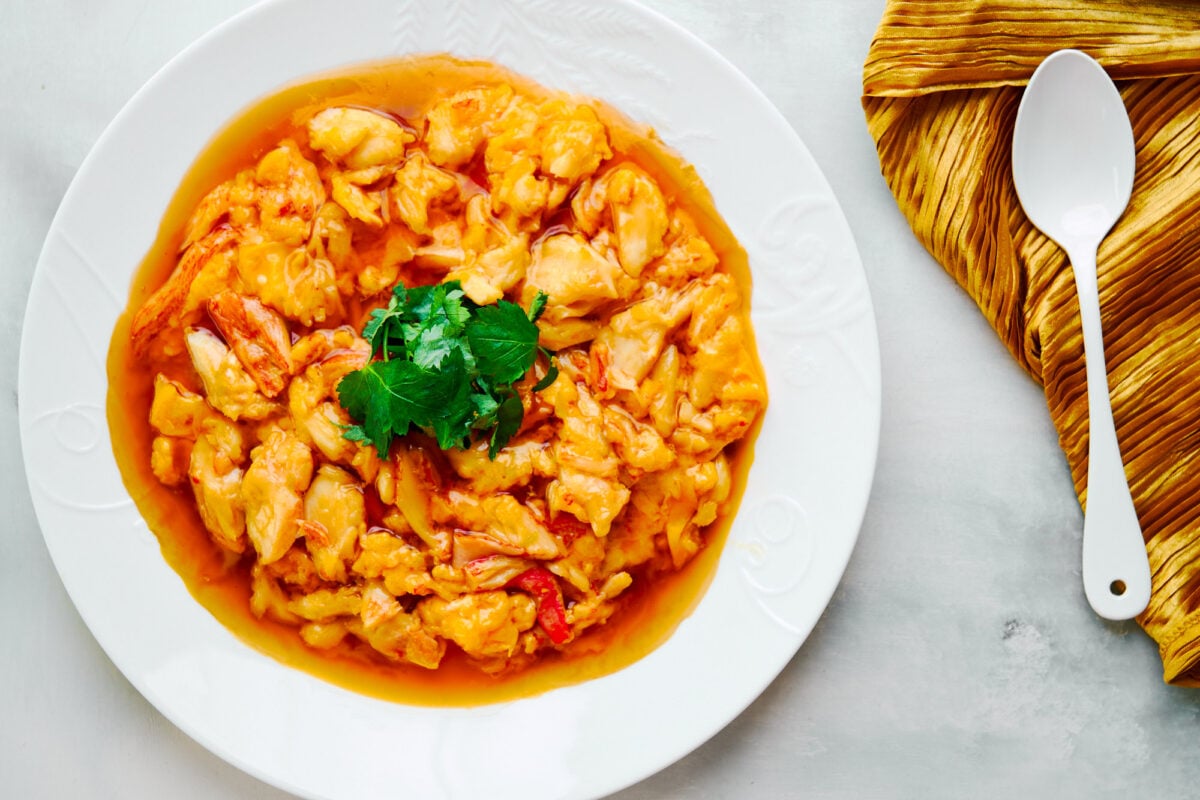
<point>1073,165</point>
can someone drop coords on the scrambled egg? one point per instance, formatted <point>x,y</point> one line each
<point>620,463</point>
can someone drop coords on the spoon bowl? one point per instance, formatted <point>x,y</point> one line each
<point>1073,165</point>
<point>1073,155</point>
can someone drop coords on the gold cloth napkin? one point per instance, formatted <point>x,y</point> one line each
<point>941,86</point>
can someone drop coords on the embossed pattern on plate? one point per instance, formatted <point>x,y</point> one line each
<point>787,548</point>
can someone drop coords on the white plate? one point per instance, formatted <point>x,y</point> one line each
<point>786,551</point>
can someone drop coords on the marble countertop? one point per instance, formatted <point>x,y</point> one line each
<point>957,658</point>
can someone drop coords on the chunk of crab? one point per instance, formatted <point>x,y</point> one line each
<point>375,278</point>
<point>581,442</point>
<point>512,528</point>
<point>689,255</point>
<point>633,541</point>
<point>357,138</point>
<point>514,523</point>
<point>589,204</point>
<point>512,158</point>
<point>257,336</point>
<point>216,484</point>
<point>402,637</point>
<point>378,605</point>
<point>457,125</point>
<point>702,434</point>
<point>164,307</point>
<point>717,298</point>
<point>226,385</point>
<point>290,280</point>
<point>537,153</point>
<point>381,550</point>
<point>175,411</point>
<point>280,471</point>
<point>364,206</point>
<point>417,187</point>
<point>514,465</point>
<point>323,635</point>
<point>574,142</point>
<point>581,565</point>
<point>169,459</point>
<point>588,484</point>
<point>277,200</point>
<point>493,571</point>
<point>598,606</point>
<point>633,339</point>
<point>723,368</point>
<point>321,423</point>
<point>483,624</point>
<point>319,344</point>
<point>577,278</point>
<point>661,390</point>
<point>679,502</point>
<point>589,498</point>
<point>512,136</point>
<point>519,189</point>
<point>296,569</point>
<point>290,193</point>
<point>569,332</point>
<point>318,417</point>
<point>332,240</point>
<point>470,546</point>
<point>324,605</point>
<point>482,231</point>
<point>267,598</point>
<point>639,216</point>
<point>638,445</point>
<point>486,277</point>
<point>224,434</point>
<point>212,209</point>
<point>334,517</point>
<point>411,482</point>
<point>403,568</point>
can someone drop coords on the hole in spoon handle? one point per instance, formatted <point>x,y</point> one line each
<point>1116,572</point>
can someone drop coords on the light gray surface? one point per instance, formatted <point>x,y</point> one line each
<point>958,657</point>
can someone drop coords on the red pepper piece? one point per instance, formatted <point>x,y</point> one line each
<point>551,613</point>
<point>567,528</point>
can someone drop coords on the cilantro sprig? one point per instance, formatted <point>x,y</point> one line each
<point>445,365</point>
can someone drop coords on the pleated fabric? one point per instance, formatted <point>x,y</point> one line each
<point>941,86</point>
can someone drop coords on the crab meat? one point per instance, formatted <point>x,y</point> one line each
<point>357,138</point>
<point>257,336</point>
<point>226,385</point>
<point>334,518</point>
<point>280,471</point>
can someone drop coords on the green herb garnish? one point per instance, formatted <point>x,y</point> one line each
<point>445,365</point>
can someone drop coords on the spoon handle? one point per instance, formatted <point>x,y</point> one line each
<point>1116,573</point>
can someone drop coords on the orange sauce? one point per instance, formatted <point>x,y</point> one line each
<point>650,609</point>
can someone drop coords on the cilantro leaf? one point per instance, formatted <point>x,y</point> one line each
<point>355,433</point>
<point>504,341</point>
<point>547,379</point>
<point>445,365</point>
<point>381,328</point>
<point>508,422</point>
<point>367,395</point>
<point>432,344</point>
<point>538,305</point>
<point>486,407</point>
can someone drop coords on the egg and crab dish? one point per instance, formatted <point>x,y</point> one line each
<point>459,377</point>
